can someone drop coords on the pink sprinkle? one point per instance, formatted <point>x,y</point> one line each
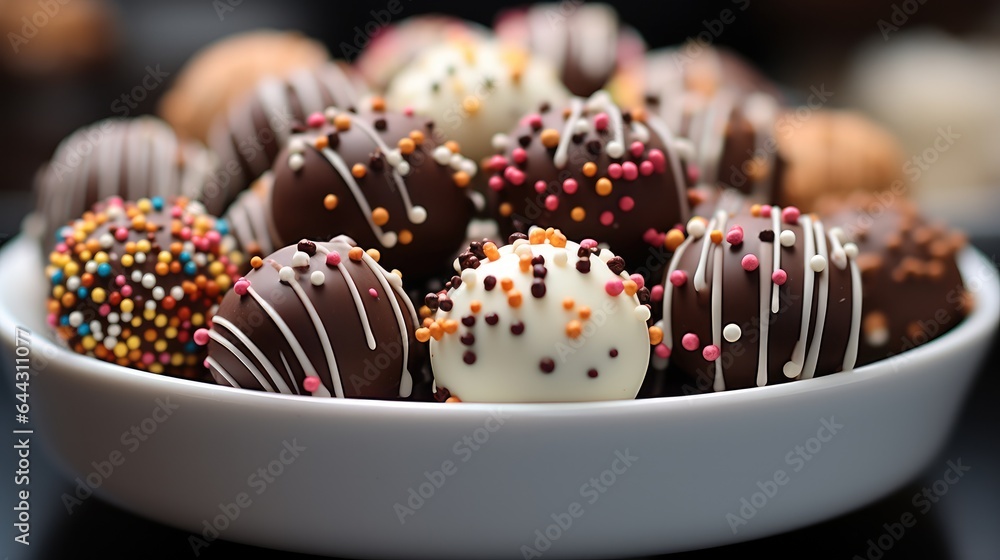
<point>690,342</point>
<point>213,237</point>
<point>750,262</point>
<point>185,233</point>
<point>639,280</point>
<point>120,280</point>
<point>570,186</point>
<point>519,155</point>
<point>790,215</point>
<point>408,111</point>
<point>126,291</point>
<point>104,310</point>
<point>201,243</point>
<point>551,203</point>
<point>497,163</point>
<point>627,203</point>
<point>373,292</point>
<point>206,364</point>
<point>607,218</point>
<point>311,383</point>
<point>615,171</point>
<point>148,358</point>
<point>601,121</point>
<point>662,351</point>
<point>735,235</point>
<point>658,159</point>
<point>711,352</point>
<point>678,278</point>
<point>653,237</point>
<point>116,201</point>
<point>201,337</point>
<point>630,171</point>
<point>637,148</point>
<point>121,234</point>
<point>588,243</point>
<point>614,287</point>
<point>241,286</point>
<point>315,120</point>
<point>52,321</point>
<point>496,183</point>
<point>534,121</point>
<point>61,248</point>
<point>176,212</point>
<point>165,358</point>
<point>540,186</point>
<point>514,175</point>
<point>765,211</point>
<point>333,258</point>
<point>646,168</point>
<point>779,277</point>
<point>656,294</point>
<point>693,173</point>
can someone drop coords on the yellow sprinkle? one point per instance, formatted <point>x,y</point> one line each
<point>536,236</point>
<point>170,333</point>
<point>126,306</point>
<point>120,350</point>
<point>715,236</point>
<point>98,295</point>
<point>655,335</point>
<point>160,321</point>
<point>133,342</point>
<point>177,359</point>
<point>156,367</point>
<point>342,122</point>
<point>673,239</point>
<point>88,342</point>
<point>160,345</point>
<point>58,291</point>
<point>71,268</point>
<point>143,246</point>
<point>374,254</point>
<point>223,282</point>
<point>149,314</point>
<point>197,319</point>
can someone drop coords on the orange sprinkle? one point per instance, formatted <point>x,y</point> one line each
<point>550,138</point>
<point>506,209</point>
<point>450,326</point>
<point>755,210</point>
<point>380,216</point>
<point>374,254</point>
<point>321,142</point>
<point>452,146</point>
<point>525,263</point>
<point>673,239</point>
<point>406,146</point>
<point>573,329</point>
<point>475,305</point>
<point>514,298</point>
<point>630,287</point>
<point>471,104</point>
<point>461,179</point>
<point>355,254</point>
<point>589,169</point>
<point>405,236</point>
<point>425,312</point>
<point>578,214</point>
<point>490,248</point>
<point>558,239</point>
<point>716,236</point>
<point>584,312</point>
<point>568,303</point>
<point>162,268</point>
<point>655,335</point>
<point>378,104</point>
<point>423,334</point>
<point>342,122</point>
<point>453,400</point>
<point>506,284</point>
<point>536,236</point>
<point>359,170</point>
<point>603,186</point>
<point>256,262</point>
<point>417,137</point>
<point>435,330</point>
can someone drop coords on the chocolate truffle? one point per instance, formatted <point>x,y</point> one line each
<point>592,169</point>
<point>912,287</point>
<point>249,136</point>
<point>221,73</point>
<point>394,47</point>
<point>587,43</point>
<point>56,41</point>
<point>131,158</point>
<point>321,319</point>
<point>474,90</point>
<point>380,177</point>
<point>541,319</point>
<point>249,218</point>
<point>132,281</point>
<point>759,297</point>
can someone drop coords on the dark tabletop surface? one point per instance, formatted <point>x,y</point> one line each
<point>963,525</point>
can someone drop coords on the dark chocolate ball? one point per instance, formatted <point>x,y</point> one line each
<point>249,218</point>
<point>758,297</point>
<point>316,318</point>
<point>593,170</point>
<point>249,137</point>
<point>380,178</point>
<point>913,289</point>
<point>130,158</point>
<point>132,281</point>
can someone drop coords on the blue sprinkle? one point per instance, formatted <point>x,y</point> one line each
<point>82,293</point>
<point>57,278</point>
<point>64,320</point>
<point>83,330</point>
<point>157,202</point>
<point>184,256</point>
<point>190,347</point>
<point>222,226</point>
<point>190,268</point>
<point>104,269</point>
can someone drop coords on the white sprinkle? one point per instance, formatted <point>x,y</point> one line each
<point>389,240</point>
<point>518,243</point>
<point>469,278</point>
<point>403,168</point>
<point>148,281</point>
<point>317,278</point>
<point>418,214</point>
<point>112,319</point>
<point>140,258</point>
<point>469,167</point>
<point>296,161</point>
<point>851,250</point>
<point>110,342</point>
<point>394,157</point>
<point>158,293</point>
<point>732,332</point>
<point>300,258</point>
<point>200,259</point>
<point>642,313</point>
<point>877,337</point>
<point>791,370</point>
<point>296,145</point>
<point>330,113</point>
<point>137,276</point>
<point>95,326</point>
<point>177,293</point>
<point>696,228</point>
<point>126,317</point>
<point>522,250</point>
<point>499,142</point>
<point>150,304</point>
<point>98,336</point>
<point>615,149</point>
<point>817,263</point>
<point>75,319</point>
<point>456,161</point>
<point>442,155</point>
<point>72,283</point>
<point>581,126</point>
<point>560,258</point>
<point>787,238</point>
<point>114,330</point>
<point>90,267</point>
<point>286,274</point>
<point>106,240</point>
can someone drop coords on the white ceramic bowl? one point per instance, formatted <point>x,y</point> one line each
<point>684,465</point>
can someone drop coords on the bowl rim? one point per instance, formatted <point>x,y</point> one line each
<point>972,264</point>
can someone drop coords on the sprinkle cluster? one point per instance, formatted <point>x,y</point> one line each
<point>130,282</point>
